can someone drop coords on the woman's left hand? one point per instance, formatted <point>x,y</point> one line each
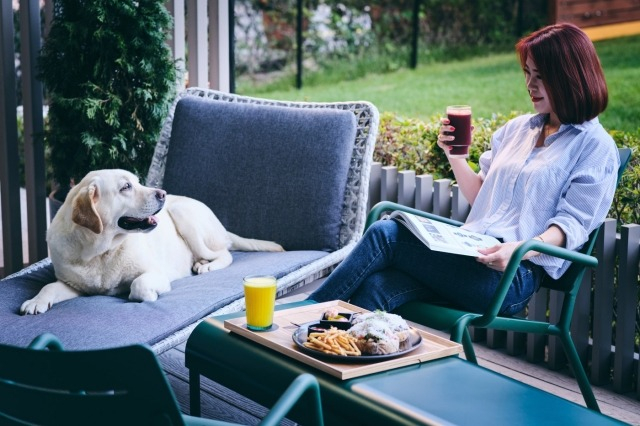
<point>498,256</point>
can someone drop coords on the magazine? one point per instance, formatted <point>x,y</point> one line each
<point>441,236</point>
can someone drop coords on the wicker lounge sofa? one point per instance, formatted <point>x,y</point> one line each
<point>293,172</point>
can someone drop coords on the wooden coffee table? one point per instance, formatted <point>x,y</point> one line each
<point>443,390</point>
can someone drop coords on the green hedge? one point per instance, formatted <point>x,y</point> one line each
<point>411,144</point>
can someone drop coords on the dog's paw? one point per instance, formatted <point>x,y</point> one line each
<point>34,307</point>
<point>148,286</point>
<point>204,266</point>
<point>277,247</point>
<point>143,294</point>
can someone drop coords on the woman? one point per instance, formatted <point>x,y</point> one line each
<point>549,175</point>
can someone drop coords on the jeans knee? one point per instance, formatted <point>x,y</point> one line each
<point>384,231</point>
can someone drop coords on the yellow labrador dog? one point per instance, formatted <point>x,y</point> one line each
<point>113,235</point>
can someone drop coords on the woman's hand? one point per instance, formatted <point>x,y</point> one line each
<point>445,136</point>
<point>468,180</point>
<point>498,256</point>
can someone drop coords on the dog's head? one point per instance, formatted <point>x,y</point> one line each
<point>115,199</point>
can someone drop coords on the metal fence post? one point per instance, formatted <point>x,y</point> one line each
<point>9,159</point>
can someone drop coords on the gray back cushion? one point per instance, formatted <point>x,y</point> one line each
<point>267,172</point>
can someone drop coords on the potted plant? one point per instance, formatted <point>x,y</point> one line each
<point>109,79</point>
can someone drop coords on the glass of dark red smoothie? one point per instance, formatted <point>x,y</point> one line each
<point>460,118</point>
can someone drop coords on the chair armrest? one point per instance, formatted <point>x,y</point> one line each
<point>46,341</point>
<point>383,206</point>
<point>507,278</point>
<point>555,251</point>
<point>302,384</point>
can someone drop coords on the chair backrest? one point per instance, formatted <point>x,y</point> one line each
<point>293,172</point>
<point>570,279</point>
<point>113,386</point>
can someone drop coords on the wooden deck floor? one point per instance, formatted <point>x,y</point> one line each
<point>222,404</point>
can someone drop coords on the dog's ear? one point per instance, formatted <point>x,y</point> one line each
<point>84,209</point>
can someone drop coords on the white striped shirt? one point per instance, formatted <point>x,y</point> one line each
<point>569,182</point>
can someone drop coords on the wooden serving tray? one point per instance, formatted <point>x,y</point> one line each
<point>286,322</point>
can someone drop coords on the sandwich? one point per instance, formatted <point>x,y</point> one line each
<point>379,333</point>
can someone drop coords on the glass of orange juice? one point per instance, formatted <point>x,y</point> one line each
<point>260,298</point>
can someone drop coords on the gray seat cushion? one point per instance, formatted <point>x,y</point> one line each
<point>102,321</point>
<point>267,172</point>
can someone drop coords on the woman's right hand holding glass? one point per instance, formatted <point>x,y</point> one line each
<point>466,178</point>
<point>445,136</point>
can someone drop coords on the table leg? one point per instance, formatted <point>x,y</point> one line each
<point>194,393</point>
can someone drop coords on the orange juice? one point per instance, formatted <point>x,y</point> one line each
<point>260,297</point>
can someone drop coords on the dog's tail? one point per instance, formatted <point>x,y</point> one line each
<point>250,244</point>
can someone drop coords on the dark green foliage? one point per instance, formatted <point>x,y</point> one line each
<point>110,79</point>
<point>412,144</point>
<point>626,203</point>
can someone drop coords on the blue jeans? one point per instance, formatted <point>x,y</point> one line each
<point>389,267</point>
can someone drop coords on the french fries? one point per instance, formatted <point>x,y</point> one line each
<point>333,341</point>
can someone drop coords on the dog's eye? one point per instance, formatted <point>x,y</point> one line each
<point>126,187</point>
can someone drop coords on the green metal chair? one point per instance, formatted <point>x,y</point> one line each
<point>457,321</point>
<point>45,385</point>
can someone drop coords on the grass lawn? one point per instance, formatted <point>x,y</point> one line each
<point>493,83</point>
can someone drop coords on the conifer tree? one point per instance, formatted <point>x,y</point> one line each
<point>109,79</point>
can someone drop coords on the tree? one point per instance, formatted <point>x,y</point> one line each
<point>110,79</point>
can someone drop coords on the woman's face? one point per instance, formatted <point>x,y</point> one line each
<point>537,91</point>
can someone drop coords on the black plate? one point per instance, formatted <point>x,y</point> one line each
<point>300,336</point>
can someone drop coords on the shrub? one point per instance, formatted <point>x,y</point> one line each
<point>411,144</point>
<point>626,202</point>
<point>110,80</point>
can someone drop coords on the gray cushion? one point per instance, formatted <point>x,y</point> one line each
<point>102,321</point>
<point>267,172</point>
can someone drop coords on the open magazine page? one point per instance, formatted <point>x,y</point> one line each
<point>444,237</point>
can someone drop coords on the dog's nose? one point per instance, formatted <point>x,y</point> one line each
<point>160,194</point>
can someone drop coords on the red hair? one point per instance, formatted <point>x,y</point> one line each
<point>570,70</point>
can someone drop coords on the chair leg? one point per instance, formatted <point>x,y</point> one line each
<point>467,344</point>
<point>578,371</point>
<point>194,393</point>
<point>460,334</point>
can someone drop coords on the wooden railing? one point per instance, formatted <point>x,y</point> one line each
<point>604,325</point>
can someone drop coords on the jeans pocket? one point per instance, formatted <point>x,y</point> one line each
<point>516,307</point>
<point>529,277</point>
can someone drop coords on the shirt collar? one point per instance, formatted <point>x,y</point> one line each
<point>538,120</point>
<point>587,124</point>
